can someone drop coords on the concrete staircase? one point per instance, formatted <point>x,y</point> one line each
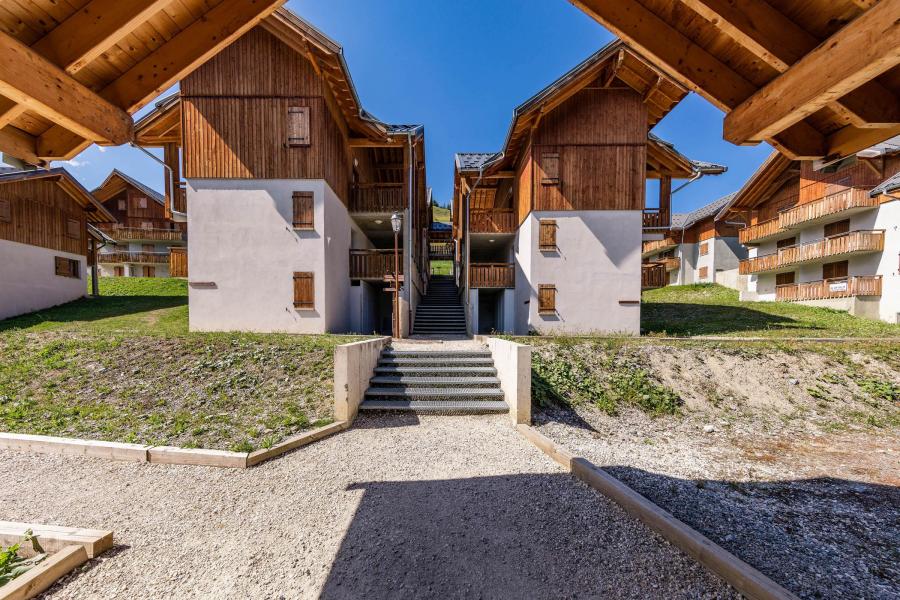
<point>440,311</point>
<point>435,381</point>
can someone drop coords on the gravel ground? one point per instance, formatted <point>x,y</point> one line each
<point>818,513</point>
<point>442,507</point>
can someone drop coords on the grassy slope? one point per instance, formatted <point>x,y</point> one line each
<point>440,214</point>
<point>124,367</point>
<point>706,309</point>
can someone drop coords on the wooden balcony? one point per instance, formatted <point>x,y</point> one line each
<point>844,287</point>
<point>760,232</point>
<point>492,275</point>
<point>179,201</point>
<point>655,246</point>
<point>854,242</point>
<point>653,275</point>
<point>845,201</point>
<point>492,221</point>
<point>373,264</point>
<point>380,198</point>
<point>653,218</point>
<point>133,257</point>
<point>672,263</point>
<point>132,234</point>
<point>441,250</point>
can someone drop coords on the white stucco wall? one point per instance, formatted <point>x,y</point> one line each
<point>888,218</point>
<point>596,271</point>
<point>243,251</point>
<point>28,279</point>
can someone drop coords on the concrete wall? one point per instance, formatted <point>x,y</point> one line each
<point>243,251</point>
<point>596,271</point>
<point>354,366</point>
<point>28,279</point>
<point>513,364</point>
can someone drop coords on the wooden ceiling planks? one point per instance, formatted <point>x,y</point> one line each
<point>729,50</point>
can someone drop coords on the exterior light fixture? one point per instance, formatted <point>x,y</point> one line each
<point>396,222</point>
<point>378,221</point>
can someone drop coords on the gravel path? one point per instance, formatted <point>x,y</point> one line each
<point>442,507</point>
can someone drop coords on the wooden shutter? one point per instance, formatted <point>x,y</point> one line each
<point>785,278</point>
<point>119,271</point>
<point>704,248</point>
<point>835,270</point>
<point>550,166</point>
<point>547,237</point>
<point>149,271</point>
<point>704,272</point>
<point>838,228</point>
<point>5,211</point>
<point>122,205</point>
<point>73,228</point>
<point>546,299</point>
<point>303,210</point>
<point>142,202</point>
<point>786,243</point>
<point>298,126</point>
<point>304,291</point>
<point>66,267</point>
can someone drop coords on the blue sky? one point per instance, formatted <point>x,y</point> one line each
<point>460,68</point>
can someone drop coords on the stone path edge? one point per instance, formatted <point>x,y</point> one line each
<point>167,455</point>
<point>744,578</point>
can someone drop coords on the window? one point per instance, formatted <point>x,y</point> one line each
<point>547,238</point>
<point>303,210</point>
<point>546,299</point>
<point>550,166</point>
<point>835,270</point>
<point>704,272</point>
<point>119,271</point>
<point>67,267</point>
<point>785,278</point>
<point>838,228</point>
<point>142,202</point>
<point>73,228</point>
<point>123,205</point>
<point>304,291</point>
<point>148,248</point>
<point>704,248</point>
<point>786,243</point>
<point>5,211</point>
<point>148,271</point>
<point>298,126</point>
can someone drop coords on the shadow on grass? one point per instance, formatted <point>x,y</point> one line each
<point>675,318</point>
<point>94,309</point>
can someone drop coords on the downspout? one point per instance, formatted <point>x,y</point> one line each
<point>468,241</point>
<point>178,217</point>
<point>697,175</point>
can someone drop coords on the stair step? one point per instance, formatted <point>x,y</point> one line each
<point>427,362</point>
<point>435,353</point>
<point>445,407</point>
<point>436,370</point>
<point>434,393</point>
<point>424,382</point>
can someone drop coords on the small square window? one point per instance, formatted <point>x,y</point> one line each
<point>67,267</point>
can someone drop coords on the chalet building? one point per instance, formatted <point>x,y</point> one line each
<point>44,239</point>
<point>288,187</point>
<point>824,234</point>
<point>549,230</point>
<point>699,248</point>
<point>147,242</point>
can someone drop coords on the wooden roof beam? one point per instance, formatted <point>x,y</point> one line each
<point>862,50</point>
<point>20,144</point>
<point>31,80</point>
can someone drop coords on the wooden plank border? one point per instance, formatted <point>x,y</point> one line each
<point>744,578</point>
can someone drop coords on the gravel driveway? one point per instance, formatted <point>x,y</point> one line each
<point>442,507</point>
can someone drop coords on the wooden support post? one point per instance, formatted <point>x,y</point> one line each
<point>665,200</point>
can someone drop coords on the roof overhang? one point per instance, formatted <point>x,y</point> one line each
<point>117,181</point>
<point>92,208</point>
<point>773,173</point>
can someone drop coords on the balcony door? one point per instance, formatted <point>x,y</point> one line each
<point>835,270</point>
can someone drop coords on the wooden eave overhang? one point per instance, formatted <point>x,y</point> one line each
<point>92,208</point>
<point>74,72</point>
<point>773,173</point>
<point>117,181</point>
<point>815,78</point>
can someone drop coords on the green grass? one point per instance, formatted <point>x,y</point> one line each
<point>709,309</point>
<point>441,267</point>
<point>124,367</point>
<point>440,214</point>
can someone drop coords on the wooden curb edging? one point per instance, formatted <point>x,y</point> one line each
<point>164,455</point>
<point>744,578</point>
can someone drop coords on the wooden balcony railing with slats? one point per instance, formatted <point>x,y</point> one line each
<point>492,221</point>
<point>376,198</point>
<point>653,275</point>
<point>672,263</point>
<point>441,250</point>
<point>750,234</point>
<point>835,245</point>
<point>832,204</point>
<point>125,234</point>
<point>373,264</point>
<point>662,245</point>
<point>492,275</point>
<point>844,287</point>
<point>133,257</point>
<point>653,218</point>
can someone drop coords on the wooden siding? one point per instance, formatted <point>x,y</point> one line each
<point>815,185</point>
<point>492,221</point>
<point>492,275</point>
<point>39,215</point>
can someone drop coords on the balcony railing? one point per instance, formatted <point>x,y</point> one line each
<point>442,250</point>
<point>757,232</point>
<point>844,287</point>
<point>655,219</point>
<point>653,275</point>
<point>376,198</point>
<point>672,263</point>
<point>829,205</point>
<point>662,245</point>
<point>179,201</point>
<point>124,234</point>
<point>492,221</point>
<point>835,245</point>
<point>133,257</point>
<point>492,275</point>
<point>373,264</point>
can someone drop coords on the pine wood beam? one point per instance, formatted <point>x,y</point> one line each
<point>171,62</point>
<point>29,79</point>
<point>862,50</point>
<point>20,144</point>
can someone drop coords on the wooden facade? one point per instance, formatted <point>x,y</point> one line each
<point>139,212</point>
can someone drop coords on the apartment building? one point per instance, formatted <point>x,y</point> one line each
<point>45,239</point>
<point>824,234</point>
<point>146,242</point>
<point>548,230</point>
<point>288,187</point>
<point>699,248</point>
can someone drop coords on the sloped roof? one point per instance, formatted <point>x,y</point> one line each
<point>149,192</point>
<point>700,166</point>
<point>473,161</point>
<point>891,184</point>
<point>93,209</point>
<point>685,220</point>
